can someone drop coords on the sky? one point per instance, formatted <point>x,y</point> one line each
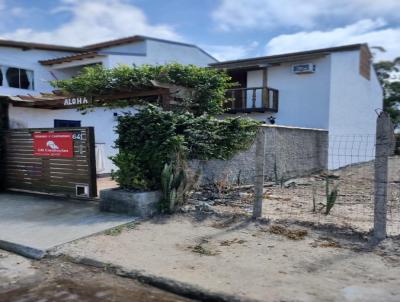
<point>227,29</point>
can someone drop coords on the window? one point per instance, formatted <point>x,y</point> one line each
<point>16,78</point>
<point>66,124</point>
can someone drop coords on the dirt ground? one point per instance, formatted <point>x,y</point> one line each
<point>23,280</point>
<point>105,183</point>
<point>294,199</point>
<point>254,260</point>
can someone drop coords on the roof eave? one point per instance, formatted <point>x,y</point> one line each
<point>285,57</point>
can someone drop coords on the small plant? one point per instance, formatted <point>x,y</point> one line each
<point>314,197</point>
<point>276,172</point>
<point>239,178</point>
<point>331,196</point>
<point>223,185</point>
<point>171,180</point>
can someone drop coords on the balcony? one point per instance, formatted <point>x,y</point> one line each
<point>254,99</point>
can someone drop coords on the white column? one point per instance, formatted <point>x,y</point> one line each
<point>4,72</point>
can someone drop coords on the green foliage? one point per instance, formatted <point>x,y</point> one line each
<point>172,179</point>
<point>331,196</point>
<point>154,145</point>
<point>391,88</point>
<point>208,84</point>
<point>152,138</point>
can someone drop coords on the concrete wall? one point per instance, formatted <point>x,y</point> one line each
<point>289,152</point>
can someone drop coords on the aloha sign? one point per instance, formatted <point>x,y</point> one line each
<point>76,101</point>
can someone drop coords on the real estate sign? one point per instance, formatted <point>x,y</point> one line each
<point>53,144</point>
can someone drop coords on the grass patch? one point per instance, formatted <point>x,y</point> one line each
<point>292,234</point>
<point>118,229</point>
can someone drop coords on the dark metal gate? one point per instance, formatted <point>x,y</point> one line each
<point>69,171</point>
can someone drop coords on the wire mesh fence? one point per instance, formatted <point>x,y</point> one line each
<point>307,176</point>
<point>342,195</point>
<point>393,207</point>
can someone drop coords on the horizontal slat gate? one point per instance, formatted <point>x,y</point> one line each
<point>25,171</point>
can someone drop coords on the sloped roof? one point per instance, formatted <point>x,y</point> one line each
<point>294,56</point>
<point>138,38</point>
<point>75,57</point>
<point>31,45</point>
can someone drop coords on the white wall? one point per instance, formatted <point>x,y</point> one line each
<point>159,53</point>
<point>28,59</point>
<point>303,98</point>
<point>102,120</point>
<point>131,48</point>
<point>138,53</point>
<point>352,117</point>
<point>164,52</point>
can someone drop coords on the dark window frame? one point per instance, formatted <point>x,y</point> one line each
<point>20,72</point>
<point>66,123</point>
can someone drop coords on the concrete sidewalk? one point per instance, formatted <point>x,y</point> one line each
<point>31,225</point>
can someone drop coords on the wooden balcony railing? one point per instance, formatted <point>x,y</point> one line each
<point>254,99</point>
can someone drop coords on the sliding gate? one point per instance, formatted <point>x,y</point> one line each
<point>50,160</point>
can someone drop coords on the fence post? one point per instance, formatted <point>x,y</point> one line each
<point>383,148</point>
<point>3,127</point>
<point>259,173</point>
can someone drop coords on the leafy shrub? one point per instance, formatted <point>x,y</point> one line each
<point>209,85</point>
<point>152,138</point>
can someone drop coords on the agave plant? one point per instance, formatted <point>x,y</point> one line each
<point>171,182</point>
<point>331,196</point>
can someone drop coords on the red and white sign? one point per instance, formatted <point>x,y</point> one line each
<point>53,144</point>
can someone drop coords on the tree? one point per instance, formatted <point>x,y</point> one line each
<point>391,88</point>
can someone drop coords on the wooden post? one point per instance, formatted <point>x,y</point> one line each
<point>254,98</point>
<point>3,126</point>
<point>259,173</point>
<point>264,94</point>
<point>384,144</point>
<point>91,150</point>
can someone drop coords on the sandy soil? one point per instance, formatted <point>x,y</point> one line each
<point>105,183</point>
<point>253,260</point>
<point>58,281</point>
<point>353,207</point>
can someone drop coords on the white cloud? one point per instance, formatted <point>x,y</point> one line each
<point>95,21</point>
<point>271,14</point>
<point>230,52</point>
<point>368,31</point>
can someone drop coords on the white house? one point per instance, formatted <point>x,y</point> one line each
<point>28,68</point>
<point>333,88</point>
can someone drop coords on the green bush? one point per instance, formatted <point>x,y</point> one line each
<point>209,85</point>
<point>154,145</point>
<point>152,138</point>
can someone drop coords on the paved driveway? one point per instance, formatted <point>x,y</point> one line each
<point>32,224</point>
